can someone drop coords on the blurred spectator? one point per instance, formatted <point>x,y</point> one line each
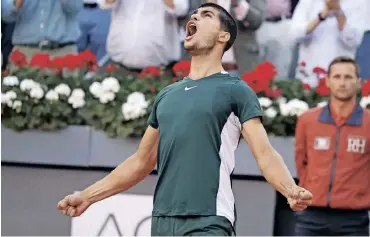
<point>48,26</point>
<point>183,20</point>
<point>294,53</point>
<point>94,24</point>
<point>6,41</point>
<point>144,33</point>
<point>244,55</point>
<point>326,29</point>
<point>363,54</point>
<point>275,46</point>
<point>332,154</point>
<point>6,37</point>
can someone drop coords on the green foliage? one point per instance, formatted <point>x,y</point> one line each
<point>49,115</point>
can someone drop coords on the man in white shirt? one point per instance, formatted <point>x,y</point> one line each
<point>325,30</point>
<point>271,36</point>
<point>144,33</point>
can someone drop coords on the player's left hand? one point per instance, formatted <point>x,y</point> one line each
<point>299,199</point>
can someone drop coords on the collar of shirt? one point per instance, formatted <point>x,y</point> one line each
<point>340,119</point>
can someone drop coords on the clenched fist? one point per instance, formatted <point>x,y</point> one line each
<point>73,205</point>
<point>299,198</point>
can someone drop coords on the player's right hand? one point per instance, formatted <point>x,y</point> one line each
<point>73,205</point>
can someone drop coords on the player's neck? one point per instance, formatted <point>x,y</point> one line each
<point>204,66</point>
<point>342,108</point>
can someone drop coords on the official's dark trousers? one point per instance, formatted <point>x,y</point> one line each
<point>316,221</point>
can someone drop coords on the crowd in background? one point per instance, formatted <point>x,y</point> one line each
<point>297,36</point>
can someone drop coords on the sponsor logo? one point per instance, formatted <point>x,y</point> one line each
<point>322,143</point>
<point>356,144</point>
<point>120,215</point>
<point>189,88</point>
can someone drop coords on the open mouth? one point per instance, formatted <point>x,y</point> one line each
<point>191,29</point>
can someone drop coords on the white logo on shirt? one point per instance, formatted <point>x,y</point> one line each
<point>189,88</point>
<point>356,144</point>
<point>322,143</point>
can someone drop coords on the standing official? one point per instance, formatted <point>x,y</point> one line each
<point>333,158</point>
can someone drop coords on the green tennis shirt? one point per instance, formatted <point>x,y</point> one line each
<point>200,124</point>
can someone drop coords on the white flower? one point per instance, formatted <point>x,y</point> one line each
<point>76,102</point>
<point>11,81</point>
<point>8,97</point>
<point>63,89</point>
<point>281,100</point>
<point>52,95</point>
<point>365,101</point>
<point>36,93</point>
<point>137,98</point>
<point>106,97</point>
<point>135,107</point>
<point>77,98</point>
<point>297,107</point>
<point>17,104</point>
<point>110,84</point>
<point>79,93</point>
<point>3,98</point>
<point>131,111</point>
<point>28,84</point>
<point>11,95</point>
<point>271,112</point>
<point>96,89</point>
<point>284,109</point>
<point>265,102</point>
<point>322,104</point>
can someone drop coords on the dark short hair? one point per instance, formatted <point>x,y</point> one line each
<point>227,23</point>
<point>345,59</point>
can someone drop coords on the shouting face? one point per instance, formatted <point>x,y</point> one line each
<point>203,31</point>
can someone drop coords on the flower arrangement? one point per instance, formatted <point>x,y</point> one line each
<point>283,101</point>
<point>50,94</point>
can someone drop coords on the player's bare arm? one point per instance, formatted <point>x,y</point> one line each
<point>122,178</point>
<point>272,165</point>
